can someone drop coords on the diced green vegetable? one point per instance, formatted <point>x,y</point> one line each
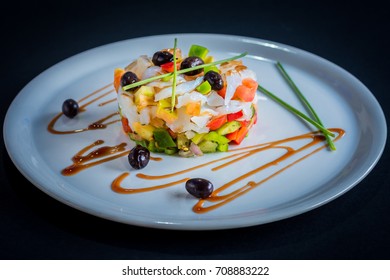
<point>223,147</point>
<point>208,146</point>
<point>170,150</point>
<point>204,88</point>
<point>210,68</point>
<point>182,142</point>
<point>229,127</point>
<point>143,143</point>
<point>215,137</point>
<point>163,139</point>
<point>198,138</point>
<point>199,51</point>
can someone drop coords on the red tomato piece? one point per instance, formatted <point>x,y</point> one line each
<point>168,67</point>
<point>125,125</point>
<point>237,136</point>
<point>216,123</point>
<point>234,116</point>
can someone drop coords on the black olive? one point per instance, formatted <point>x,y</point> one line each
<point>214,79</point>
<point>162,57</point>
<point>139,157</point>
<point>190,62</point>
<point>70,108</point>
<point>199,187</point>
<point>129,78</point>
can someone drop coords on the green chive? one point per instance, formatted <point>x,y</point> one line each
<point>296,111</point>
<point>151,79</point>
<point>173,99</point>
<point>305,102</point>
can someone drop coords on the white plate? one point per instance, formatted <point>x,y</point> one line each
<point>339,99</point>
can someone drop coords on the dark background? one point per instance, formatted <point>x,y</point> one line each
<point>36,36</point>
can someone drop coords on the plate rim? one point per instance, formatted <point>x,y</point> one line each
<point>201,225</point>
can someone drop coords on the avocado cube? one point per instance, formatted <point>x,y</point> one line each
<point>229,127</point>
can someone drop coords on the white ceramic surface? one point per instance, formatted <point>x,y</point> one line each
<point>338,97</point>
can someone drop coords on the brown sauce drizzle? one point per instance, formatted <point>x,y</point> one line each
<point>100,155</point>
<point>99,124</point>
<point>106,153</point>
<point>116,185</point>
<point>216,200</point>
<point>107,102</point>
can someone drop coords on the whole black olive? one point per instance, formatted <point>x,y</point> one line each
<point>129,78</point>
<point>214,79</point>
<point>190,62</point>
<point>199,187</point>
<point>139,157</point>
<point>70,108</point>
<point>162,57</point>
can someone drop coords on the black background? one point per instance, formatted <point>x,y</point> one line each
<point>36,36</point>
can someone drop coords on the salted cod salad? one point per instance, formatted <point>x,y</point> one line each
<point>212,107</point>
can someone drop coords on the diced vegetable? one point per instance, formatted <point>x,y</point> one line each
<point>198,138</point>
<point>216,123</point>
<point>204,88</point>
<point>193,108</point>
<point>247,91</point>
<point>229,127</point>
<point>183,143</point>
<point>223,147</point>
<point>199,51</point>
<point>215,137</point>
<point>163,139</point>
<point>145,131</point>
<point>208,146</point>
<point>237,136</point>
<point>234,116</point>
<point>125,125</point>
<point>168,67</point>
<point>222,92</point>
<point>210,68</point>
<point>118,72</point>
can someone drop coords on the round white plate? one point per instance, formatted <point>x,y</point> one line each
<point>339,98</point>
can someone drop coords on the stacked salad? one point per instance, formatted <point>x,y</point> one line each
<point>201,107</point>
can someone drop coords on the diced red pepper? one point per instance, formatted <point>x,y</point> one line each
<point>168,67</point>
<point>125,125</point>
<point>234,116</point>
<point>237,136</point>
<point>216,123</point>
<point>247,91</point>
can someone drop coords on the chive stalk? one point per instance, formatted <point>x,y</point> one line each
<point>173,99</point>
<point>304,101</point>
<point>296,111</point>
<point>151,79</point>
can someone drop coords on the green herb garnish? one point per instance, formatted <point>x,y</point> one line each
<point>305,102</point>
<point>151,79</point>
<point>296,111</point>
<point>173,99</point>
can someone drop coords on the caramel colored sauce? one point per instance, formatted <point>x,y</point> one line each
<point>116,185</point>
<point>216,199</point>
<point>107,102</point>
<point>100,155</point>
<point>99,124</point>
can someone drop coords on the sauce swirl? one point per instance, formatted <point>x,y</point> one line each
<point>99,124</point>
